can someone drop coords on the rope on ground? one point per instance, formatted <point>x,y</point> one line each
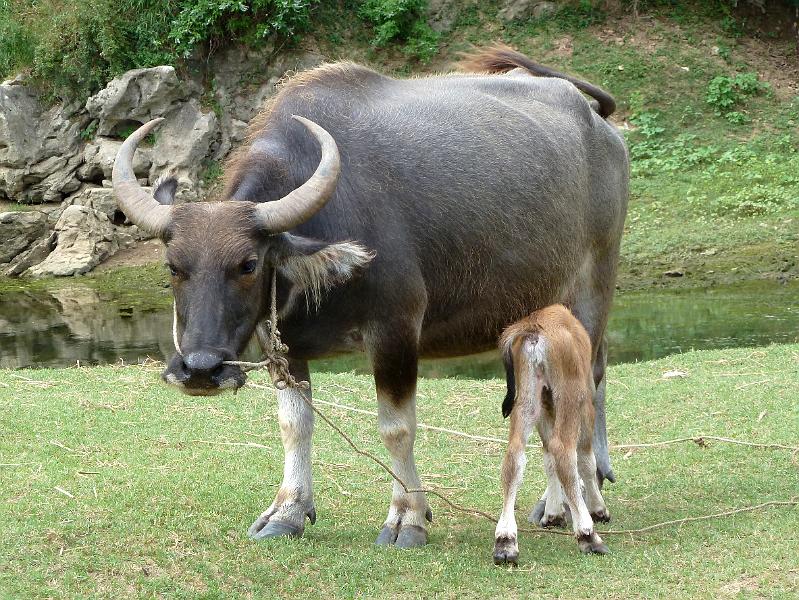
<point>479,513</point>
<point>277,364</point>
<point>700,440</point>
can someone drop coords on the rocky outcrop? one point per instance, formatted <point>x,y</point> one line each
<point>63,155</point>
<point>40,149</point>
<point>84,237</point>
<point>518,10</point>
<point>243,81</point>
<point>99,155</point>
<point>139,95</point>
<point>20,230</point>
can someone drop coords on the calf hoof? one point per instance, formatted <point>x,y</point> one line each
<point>538,512</point>
<point>601,516</point>
<point>387,536</point>
<point>274,529</point>
<point>592,544</point>
<point>553,521</point>
<point>506,551</point>
<point>411,536</point>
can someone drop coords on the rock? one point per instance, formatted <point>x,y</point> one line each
<point>100,199</point>
<point>18,230</point>
<point>238,99</point>
<point>35,254</point>
<point>183,143</point>
<point>139,95</point>
<point>39,149</point>
<point>442,14</point>
<point>99,155</point>
<point>84,237</point>
<point>518,10</point>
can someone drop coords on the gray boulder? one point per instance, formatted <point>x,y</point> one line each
<point>84,238</point>
<point>182,144</point>
<point>18,230</point>
<point>35,254</point>
<point>39,148</point>
<point>442,14</point>
<point>99,155</point>
<point>138,95</point>
<point>519,10</point>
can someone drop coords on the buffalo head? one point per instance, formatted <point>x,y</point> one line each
<point>221,254</point>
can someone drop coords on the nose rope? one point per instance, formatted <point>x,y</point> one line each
<point>268,336</point>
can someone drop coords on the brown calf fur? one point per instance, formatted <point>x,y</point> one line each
<point>550,353</point>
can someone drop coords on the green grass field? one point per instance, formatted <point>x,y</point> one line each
<point>154,503</point>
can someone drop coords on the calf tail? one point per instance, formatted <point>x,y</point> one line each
<point>501,59</point>
<point>510,379</point>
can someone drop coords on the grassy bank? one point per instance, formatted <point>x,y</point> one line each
<point>158,505</point>
<point>710,111</point>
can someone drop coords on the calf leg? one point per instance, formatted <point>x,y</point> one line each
<point>562,446</point>
<point>506,545</point>
<point>294,500</point>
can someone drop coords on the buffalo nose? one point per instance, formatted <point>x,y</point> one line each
<point>202,362</point>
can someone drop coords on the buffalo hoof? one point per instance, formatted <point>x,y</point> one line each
<point>411,536</point>
<point>601,516</point>
<point>605,473</point>
<point>592,544</point>
<point>553,521</point>
<point>506,551</point>
<point>275,529</point>
<point>387,536</point>
<point>538,512</point>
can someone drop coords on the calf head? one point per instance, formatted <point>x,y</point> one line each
<point>221,256</point>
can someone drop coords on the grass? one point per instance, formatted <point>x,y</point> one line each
<point>713,196</point>
<point>163,514</point>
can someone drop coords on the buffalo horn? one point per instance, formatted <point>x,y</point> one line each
<point>137,204</point>
<point>301,204</point>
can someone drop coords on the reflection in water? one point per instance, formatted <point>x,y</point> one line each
<point>66,325</point>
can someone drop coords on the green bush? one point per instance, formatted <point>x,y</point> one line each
<point>724,93</point>
<point>73,47</point>
<point>200,21</point>
<point>401,20</point>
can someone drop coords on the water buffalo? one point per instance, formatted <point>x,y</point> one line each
<point>406,218</point>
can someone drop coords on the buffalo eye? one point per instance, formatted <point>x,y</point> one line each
<point>172,270</point>
<point>248,266</point>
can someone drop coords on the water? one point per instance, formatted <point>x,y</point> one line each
<point>61,327</point>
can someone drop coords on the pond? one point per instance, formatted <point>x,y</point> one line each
<point>72,324</point>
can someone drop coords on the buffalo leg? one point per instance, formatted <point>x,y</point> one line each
<point>586,466</point>
<point>604,469</point>
<point>294,500</point>
<point>395,366</point>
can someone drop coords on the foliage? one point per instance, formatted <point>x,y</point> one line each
<point>725,92</point>
<point>75,46</point>
<point>401,20</point>
<point>209,21</point>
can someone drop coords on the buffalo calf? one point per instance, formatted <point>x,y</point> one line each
<point>549,354</point>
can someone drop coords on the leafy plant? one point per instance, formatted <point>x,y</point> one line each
<point>73,47</point>
<point>725,92</point>
<point>401,20</point>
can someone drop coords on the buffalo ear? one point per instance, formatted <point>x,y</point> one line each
<point>316,266</point>
<point>164,190</point>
